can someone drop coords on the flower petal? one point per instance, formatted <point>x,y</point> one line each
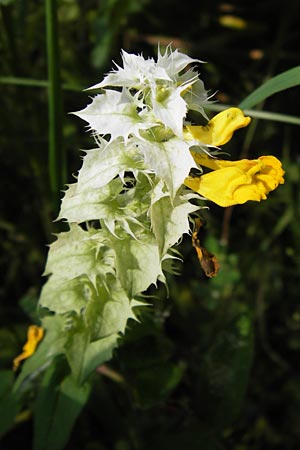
<point>236,182</point>
<point>34,336</point>
<point>219,129</point>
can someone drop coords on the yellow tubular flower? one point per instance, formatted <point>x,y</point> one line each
<point>231,182</point>
<point>236,182</point>
<point>34,336</point>
<point>219,129</point>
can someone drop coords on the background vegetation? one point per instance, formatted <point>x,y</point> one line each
<point>216,364</point>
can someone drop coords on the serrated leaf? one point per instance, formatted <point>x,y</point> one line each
<point>137,73</point>
<point>281,82</point>
<point>108,310</point>
<point>114,113</point>
<point>114,204</point>
<point>174,61</point>
<point>62,296</point>
<point>169,219</point>
<point>105,314</point>
<point>84,356</point>
<point>196,96</point>
<point>90,204</point>
<point>171,161</point>
<point>103,164</point>
<point>137,262</point>
<point>97,353</point>
<point>76,252</point>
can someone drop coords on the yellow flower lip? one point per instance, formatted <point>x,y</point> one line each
<point>34,336</point>
<point>236,182</point>
<point>219,129</point>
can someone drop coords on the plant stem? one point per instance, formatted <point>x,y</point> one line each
<point>56,154</point>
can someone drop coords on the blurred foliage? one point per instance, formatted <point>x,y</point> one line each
<point>215,365</point>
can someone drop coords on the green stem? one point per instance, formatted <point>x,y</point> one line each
<point>56,150</point>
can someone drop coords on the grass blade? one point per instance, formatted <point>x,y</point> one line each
<point>264,115</point>
<point>279,83</point>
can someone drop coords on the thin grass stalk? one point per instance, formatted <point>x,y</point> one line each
<point>56,153</point>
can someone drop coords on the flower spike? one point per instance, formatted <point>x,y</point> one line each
<point>129,207</point>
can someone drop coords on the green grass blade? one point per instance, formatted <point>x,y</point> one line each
<point>264,115</point>
<point>279,83</point>
<point>32,82</point>
<point>24,82</point>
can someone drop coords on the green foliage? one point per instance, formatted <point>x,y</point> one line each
<point>57,405</point>
<point>8,404</point>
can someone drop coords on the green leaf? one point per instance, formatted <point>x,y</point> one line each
<point>97,353</point>
<point>137,262</point>
<point>76,348</point>
<point>95,333</point>
<point>9,403</point>
<point>281,82</point>
<point>84,356</point>
<point>58,404</point>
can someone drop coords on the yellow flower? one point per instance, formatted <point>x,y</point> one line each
<point>231,182</point>
<point>34,336</point>
<point>219,129</point>
<point>236,182</point>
